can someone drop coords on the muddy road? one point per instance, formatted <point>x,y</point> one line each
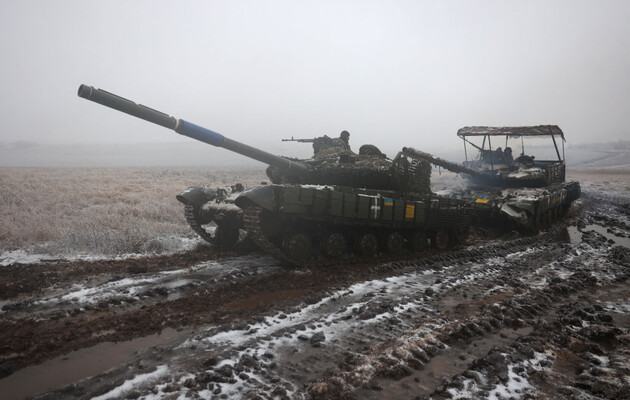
<point>544,316</point>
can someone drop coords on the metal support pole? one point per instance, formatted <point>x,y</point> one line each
<point>556,146</point>
<point>466,153</point>
<point>491,153</point>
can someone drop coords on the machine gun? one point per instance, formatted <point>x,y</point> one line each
<point>299,140</point>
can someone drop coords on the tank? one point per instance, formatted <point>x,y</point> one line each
<point>336,205</point>
<point>525,192</point>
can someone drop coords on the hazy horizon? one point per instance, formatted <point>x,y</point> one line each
<point>405,73</point>
<point>194,154</point>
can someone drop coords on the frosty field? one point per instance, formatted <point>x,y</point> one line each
<point>101,211</point>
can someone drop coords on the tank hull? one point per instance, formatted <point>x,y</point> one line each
<point>306,223</point>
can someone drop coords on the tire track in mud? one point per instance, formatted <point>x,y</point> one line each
<point>416,348</point>
<point>366,348</point>
<point>582,351</point>
<point>252,355</point>
<point>24,279</point>
<point>30,340</point>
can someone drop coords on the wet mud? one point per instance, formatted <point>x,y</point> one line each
<point>544,316</point>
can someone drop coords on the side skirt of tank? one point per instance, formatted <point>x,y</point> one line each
<point>306,223</point>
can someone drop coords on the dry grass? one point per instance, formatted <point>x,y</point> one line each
<point>616,180</point>
<point>100,210</point>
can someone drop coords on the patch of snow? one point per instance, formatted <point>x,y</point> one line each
<point>19,257</point>
<point>520,173</point>
<point>169,245</point>
<point>515,387</point>
<point>620,306</point>
<point>603,361</point>
<point>136,381</point>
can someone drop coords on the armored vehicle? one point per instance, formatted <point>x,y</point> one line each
<point>526,191</point>
<point>335,205</point>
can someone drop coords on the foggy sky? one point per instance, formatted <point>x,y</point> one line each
<point>403,73</point>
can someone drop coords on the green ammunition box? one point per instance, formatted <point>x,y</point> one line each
<point>320,198</point>
<point>349,205</point>
<point>363,207</point>
<point>306,196</point>
<point>421,212</point>
<point>336,203</point>
<point>399,210</point>
<point>388,209</point>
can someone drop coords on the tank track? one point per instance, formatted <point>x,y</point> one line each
<point>429,257</point>
<point>253,226</point>
<point>252,223</point>
<point>191,217</point>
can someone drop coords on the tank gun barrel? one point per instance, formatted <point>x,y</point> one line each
<point>185,128</point>
<point>451,166</point>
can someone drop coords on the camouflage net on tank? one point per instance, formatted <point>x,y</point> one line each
<point>341,166</point>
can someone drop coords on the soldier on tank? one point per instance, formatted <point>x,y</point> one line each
<point>342,141</point>
<point>507,156</point>
<point>326,142</point>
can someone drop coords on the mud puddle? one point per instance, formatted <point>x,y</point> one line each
<point>78,365</point>
<point>575,235</point>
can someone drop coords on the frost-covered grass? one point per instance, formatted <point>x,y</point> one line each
<point>101,210</point>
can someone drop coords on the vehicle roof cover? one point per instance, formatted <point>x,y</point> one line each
<point>511,131</point>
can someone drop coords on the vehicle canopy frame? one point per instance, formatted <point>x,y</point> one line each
<point>510,132</point>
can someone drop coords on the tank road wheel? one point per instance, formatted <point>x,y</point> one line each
<point>334,245</point>
<point>419,241</point>
<point>440,239</point>
<point>459,235</point>
<point>366,245</point>
<point>394,243</point>
<point>297,246</point>
<point>226,235</point>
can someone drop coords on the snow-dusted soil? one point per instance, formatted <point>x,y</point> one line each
<point>543,317</point>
